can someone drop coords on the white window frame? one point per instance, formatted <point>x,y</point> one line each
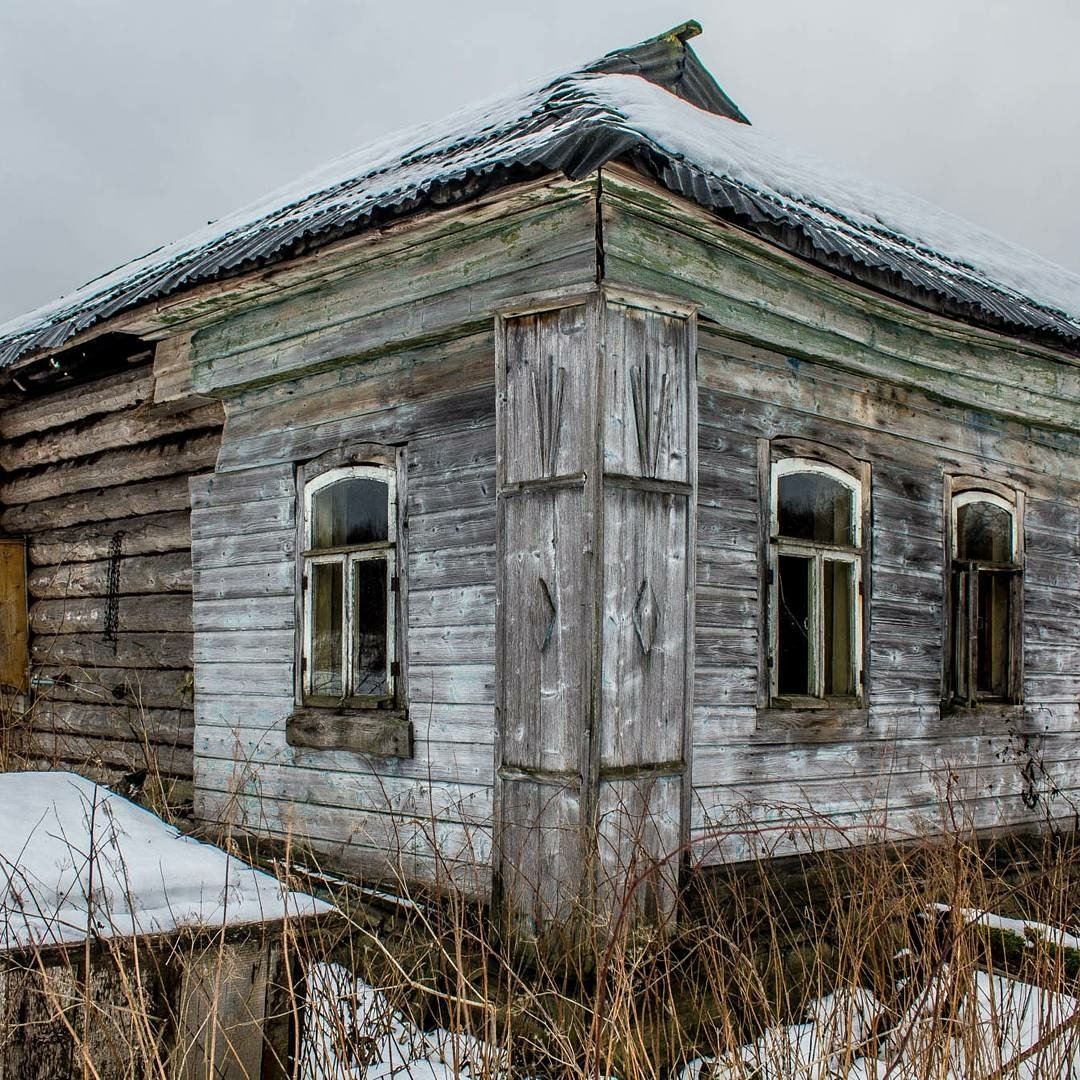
<point>347,557</point>
<point>963,492</point>
<point>818,555</point>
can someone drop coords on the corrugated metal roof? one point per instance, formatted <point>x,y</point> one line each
<point>679,128</point>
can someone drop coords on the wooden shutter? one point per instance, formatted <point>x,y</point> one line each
<point>14,647</point>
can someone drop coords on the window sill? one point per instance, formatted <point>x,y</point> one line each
<point>986,716</point>
<point>813,714</point>
<point>382,732</point>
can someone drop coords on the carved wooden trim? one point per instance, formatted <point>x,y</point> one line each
<point>547,401</point>
<point>650,389</point>
<point>646,616</point>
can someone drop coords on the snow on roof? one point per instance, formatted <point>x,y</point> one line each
<point>573,124</point>
<point>79,860</point>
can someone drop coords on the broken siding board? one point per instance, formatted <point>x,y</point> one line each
<point>462,725</point>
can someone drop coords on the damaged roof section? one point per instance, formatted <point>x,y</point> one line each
<point>656,107</point>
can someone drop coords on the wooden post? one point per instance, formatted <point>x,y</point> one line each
<point>596,481</point>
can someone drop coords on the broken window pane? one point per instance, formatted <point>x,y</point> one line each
<point>815,507</point>
<point>350,512</point>
<point>370,628</point>
<point>327,614</point>
<point>983,533</point>
<point>837,614</point>
<point>793,625</point>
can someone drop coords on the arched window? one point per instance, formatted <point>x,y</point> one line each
<point>349,533</point>
<point>985,595</point>
<point>816,557</point>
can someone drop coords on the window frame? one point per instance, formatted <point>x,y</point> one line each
<point>782,457</point>
<point>386,464</point>
<point>961,491</point>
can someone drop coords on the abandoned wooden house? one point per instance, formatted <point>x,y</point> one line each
<point>581,478</point>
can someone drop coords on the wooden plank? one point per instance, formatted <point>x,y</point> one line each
<point>545,654</point>
<point>222,1010</point>
<point>127,650</point>
<point>172,369</point>
<point>459,405</point>
<point>62,407</point>
<point>461,280</point>
<point>355,387</point>
<point>100,504</point>
<point>244,582</point>
<point>261,612</point>
<point>14,638</point>
<point>171,727</point>
<point>72,616</point>
<point>375,732</point>
<point>748,285</point>
<point>140,574</point>
<point>77,751</point>
<point>245,486</point>
<point>644,653</point>
<point>396,851</point>
<point>184,454</point>
<point>145,688</point>
<point>461,727</point>
<point>246,645</point>
<point>132,427</point>
<point>150,534</point>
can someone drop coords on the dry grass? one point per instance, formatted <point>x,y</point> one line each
<point>748,950</point>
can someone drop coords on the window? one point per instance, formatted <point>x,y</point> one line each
<point>815,578</point>
<point>349,587</point>
<point>985,594</point>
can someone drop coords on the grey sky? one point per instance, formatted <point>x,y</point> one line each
<point>128,123</point>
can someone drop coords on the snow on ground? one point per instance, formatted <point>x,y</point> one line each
<point>76,858</point>
<point>998,1025</point>
<point>351,1031</point>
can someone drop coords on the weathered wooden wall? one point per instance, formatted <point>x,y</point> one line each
<point>399,350</point>
<point>787,351</point>
<point>95,477</point>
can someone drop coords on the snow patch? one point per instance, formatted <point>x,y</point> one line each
<point>77,860</point>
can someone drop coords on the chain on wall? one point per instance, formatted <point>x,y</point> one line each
<point>112,604</point>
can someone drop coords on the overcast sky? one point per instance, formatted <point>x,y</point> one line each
<point>127,123</point>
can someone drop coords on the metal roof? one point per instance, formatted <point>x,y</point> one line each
<point>654,106</point>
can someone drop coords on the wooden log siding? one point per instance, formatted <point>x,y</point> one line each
<point>96,479</point>
<point>789,352</point>
<point>397,350</point>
